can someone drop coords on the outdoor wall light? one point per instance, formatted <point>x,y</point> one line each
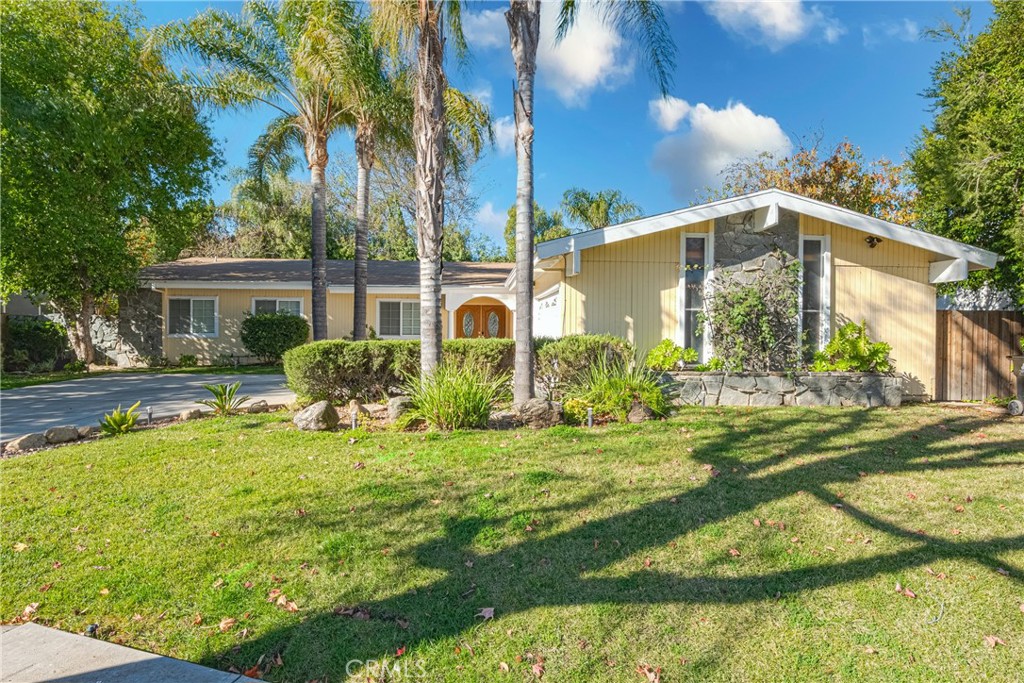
<point>873,241</point>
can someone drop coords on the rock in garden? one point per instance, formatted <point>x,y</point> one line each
<point>29,442</point>
<point>378,410</point>
<point>538,413</point>
<point>190,414</point>
<point>503,419</point>
<point>398,406</point>
<point>259,407</point>
<point>639,413</point>
<point>61,434</point>
<point>318,417</point>
<point>87,431</point>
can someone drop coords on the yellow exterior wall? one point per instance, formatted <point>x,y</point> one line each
<point>628,289</point>
<point>234,304</point>
<point>887,287</point>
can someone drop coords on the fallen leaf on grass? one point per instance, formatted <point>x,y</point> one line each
<point>20,547</point>
<point>870,650</point>
<point>226,623</point>
<point>104,591</point>
<point>538,669</point>
<point>650,674</point>
<point>503,667</point>
<point>45,587</point>
<point>287,605</point>
<point>400,651</point>
<point>992,641</point>
<point>1000,570</point>
<point>905,591</point>
<point>757,522</point>
<point>734,552</point>
<point>198,619</point>
<point>253,672</point>
<point>29,610</point>
<point>486,613</point>
<point>360,613</point>
<point>958,508</point>
<point>955,532</point>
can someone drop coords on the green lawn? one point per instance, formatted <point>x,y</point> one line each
<point>14,380</point>
<point>720,545</point>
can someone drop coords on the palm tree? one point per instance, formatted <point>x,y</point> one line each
<point>267,55</point>
<point>642,19</point>
<point>423,24</point>
<point>598,209</point>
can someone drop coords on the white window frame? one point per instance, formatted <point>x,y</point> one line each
<point>399,301</point>
<point>194,335</point>
<point>278,300</point>
<point>826,289</point>
<point>709,260</point>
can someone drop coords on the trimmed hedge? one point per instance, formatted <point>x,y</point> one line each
<point>269,335</point>
<point>339,370</point>
<point>562,361</point>
<point>35,344</point>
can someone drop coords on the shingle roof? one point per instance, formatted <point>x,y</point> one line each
<point>339,273</point>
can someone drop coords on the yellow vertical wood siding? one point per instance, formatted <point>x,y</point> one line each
<point>887,287</point>
<point>628,289</point>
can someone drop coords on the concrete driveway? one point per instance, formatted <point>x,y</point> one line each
<point>82,402</point>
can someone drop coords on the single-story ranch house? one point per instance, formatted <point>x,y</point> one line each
<point>644,280</point>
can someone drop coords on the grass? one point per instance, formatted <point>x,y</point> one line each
<point>15,380</point>
<point>599,550</point>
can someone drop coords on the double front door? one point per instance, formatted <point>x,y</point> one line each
<point>487,321</point>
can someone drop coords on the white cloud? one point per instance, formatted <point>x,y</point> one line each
<point>668,112</point>
<point>714,139</point>
<point>483,92</point>
<point>490,221</point>
<point>907,31</point>
<point>774,24</point>
<point>591,56</point>
<point>486,29</point>
<point>505,135</point>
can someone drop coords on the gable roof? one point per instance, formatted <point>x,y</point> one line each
<point>769,202</point>
<point>252,273</point>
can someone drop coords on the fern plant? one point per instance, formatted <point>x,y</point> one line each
<point>851,350</point>
<point>118,422</point>
<point>225,400</point>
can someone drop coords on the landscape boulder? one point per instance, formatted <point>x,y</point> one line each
<point>28,442</point>
<point>503,419</point>
<point>259,407</point>
<point>319,417</point>
<point>87,431</point>
<point>398,406</point>
<point>61,434</point>
<point>639,413</point>
<point>538,413</point>
<point>190,414</point>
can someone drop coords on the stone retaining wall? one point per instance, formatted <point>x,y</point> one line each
<point>783,389</point>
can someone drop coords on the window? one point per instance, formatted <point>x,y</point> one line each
<point>293,306</point>
<point>398,318</point>
<point>695,259</point>
<point>814,295</point>
<point>188,316</point>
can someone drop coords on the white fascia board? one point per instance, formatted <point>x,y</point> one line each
<point>976,257</point>
<point>222,284</point>
<point>981,258</point>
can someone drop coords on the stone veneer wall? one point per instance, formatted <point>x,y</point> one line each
<point>135,333</point>
<point>783,389</point>
<point>743,253</point>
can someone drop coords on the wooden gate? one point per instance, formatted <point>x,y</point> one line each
<point>972,349</point>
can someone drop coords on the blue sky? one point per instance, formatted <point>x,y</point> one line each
<point>750,76</point>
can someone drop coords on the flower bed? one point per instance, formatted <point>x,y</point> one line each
<point>865,389</point>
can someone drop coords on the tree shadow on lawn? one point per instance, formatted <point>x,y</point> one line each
<point>559,569</point>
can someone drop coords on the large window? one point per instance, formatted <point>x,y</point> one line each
<point>398,318</point>
<point>192,316</point>
<point>293,306</point>
<point>695,270</point>
<point>814,295</point>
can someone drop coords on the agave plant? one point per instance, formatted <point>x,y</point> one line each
<point>118,421</point>
<point>225,400</point>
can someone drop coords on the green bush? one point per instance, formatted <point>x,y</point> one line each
<point>715,364</point>
<point>851,350</point>
<point>667,355</point>
<point>611,387</point>
<point>559,362</point>
<point>338,370</point>
<point>118,422</point>
<point>76,366</point>
<point>188,360</point>
<point>457,396</point>
<point>156,361</point>
<point>269,335</point>
<point>35,343</point>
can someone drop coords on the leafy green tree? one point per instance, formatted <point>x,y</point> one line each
<point>879,188</point>
<point>546,225</point>
<point>598,209</point>
<point>969,164</point>
<point>274,55</point>
<point>643,20</point>
<point>105,163</point>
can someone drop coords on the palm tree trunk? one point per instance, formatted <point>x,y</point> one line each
<point>364,161</point>
<point>316,153</point>
<point>523,19</point>
<point>429,137</point>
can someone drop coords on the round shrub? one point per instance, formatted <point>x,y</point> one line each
<point>34,341</point>
<point>268,335</point>
<point>561,361</point>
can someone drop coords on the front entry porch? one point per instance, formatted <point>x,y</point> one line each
<point>479,317</point>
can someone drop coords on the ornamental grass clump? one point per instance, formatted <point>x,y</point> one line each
<point>611,388</point>
<point>225,400</point>
<point>456,396</point>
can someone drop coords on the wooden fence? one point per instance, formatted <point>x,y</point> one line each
<point>972,349</point>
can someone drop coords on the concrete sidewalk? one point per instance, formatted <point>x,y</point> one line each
<point>30,653</point>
